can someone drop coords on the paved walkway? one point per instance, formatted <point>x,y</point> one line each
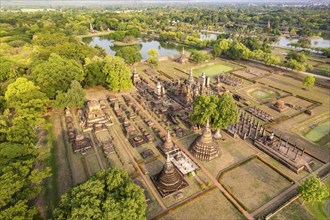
<point>212,178</point>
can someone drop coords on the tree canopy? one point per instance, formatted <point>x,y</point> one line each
<point>74,97</point>
<point>117,74</point>
<point>56,74</point>
<point>226,112</point>
<point>309,81</point>
<point>153,54</point>
<point>312,189</point>
<point>204,108</point>
<point>221,112</point>
<point>109,194</point>
<point>129,54</point>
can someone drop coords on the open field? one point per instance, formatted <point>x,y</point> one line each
<point>261,93</point>
<point>315,129</point>
<point>319,131</point>
<point>232,151</point>
<point>211,70</point>
<point>211,205</point>
<point>261,183</point>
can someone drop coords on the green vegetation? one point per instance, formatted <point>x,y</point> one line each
<point>309,81</point>
<point>109,194</point>
<point>212,70</point>
<point>319,131</point>
<point>131,55</point>
<point>220,112</point>
<point>313,190</point>
<point>117,74</point>
<point>198,56</point>
<point>261,93</point>
<point>152,59</point>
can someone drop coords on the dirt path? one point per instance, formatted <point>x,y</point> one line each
<point>213,179</point>
<point>96,153</point>
<point>65,177</point>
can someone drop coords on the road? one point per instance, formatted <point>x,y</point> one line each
<point>212,178</point>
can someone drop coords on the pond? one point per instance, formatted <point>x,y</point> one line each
<point>164,48</point>
<point>319,42</point>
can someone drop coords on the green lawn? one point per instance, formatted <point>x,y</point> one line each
<point>261,93</point>
<point>319,131</point>
<point>212,70</point>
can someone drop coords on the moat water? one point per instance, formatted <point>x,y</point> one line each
<point>164,48</point>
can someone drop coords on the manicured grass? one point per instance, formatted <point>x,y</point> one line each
<point>260,183</point>
<point>260,93</point>
<point>120,43</point>
<point>319,131</point>
<point>212,70</point>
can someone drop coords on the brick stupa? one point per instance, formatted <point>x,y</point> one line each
<point>205,147</point>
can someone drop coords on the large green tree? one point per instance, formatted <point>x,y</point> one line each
<point>204,108</point>
<point>94,75</point>
<point>56,74</point>
<point>109,194</point>
<point>152,59</point>
<point>23,94</point>
<point>226,113</point>
<point>117,74</point>
<point>19,180</point>
<point>74,97</point>
<point>312,189</point>
<point>129,54</point>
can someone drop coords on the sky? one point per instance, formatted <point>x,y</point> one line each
<point>114,2</point>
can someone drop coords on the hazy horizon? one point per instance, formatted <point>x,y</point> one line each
<point>78,3</point>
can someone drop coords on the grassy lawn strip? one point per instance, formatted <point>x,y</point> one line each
<point>120,43</point>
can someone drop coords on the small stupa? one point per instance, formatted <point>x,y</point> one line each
<point>205,147</point>
<point>169,179</point>
<point>168,146</point>
<point>135,77</point>
<point>183,59</point>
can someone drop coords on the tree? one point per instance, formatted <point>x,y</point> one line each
<point>198,56</point>
<point>24,94</point>
<point>152,59</point>
<point>94,75</point>
<point>117,74</point>
<point>20,181</point>
<point>204,108</point>
<point>129,54</point>
<point>7,69</point>
<point>109,194</point>
<point>238,51</point>
<point>74,97</point>
<point>312,189</point>
<point>221,48</point>
<point>309,81</point>
<point>56,74</point>
<point>226,113</point>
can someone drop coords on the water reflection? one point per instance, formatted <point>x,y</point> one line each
<point>164,48</point>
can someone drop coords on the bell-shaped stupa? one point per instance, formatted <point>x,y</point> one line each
<point>205,147</point>
<point>169,179</point>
